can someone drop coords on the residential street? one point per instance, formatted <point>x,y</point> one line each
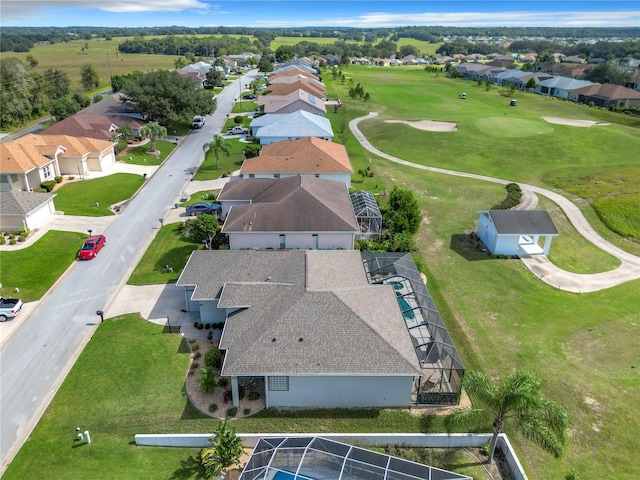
<point>36,358</point>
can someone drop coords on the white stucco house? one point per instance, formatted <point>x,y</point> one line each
<point>308,323</point>
<point>296,212</point>
<point>24,209</point>
<point>289,126</point>
<point>516,232</point>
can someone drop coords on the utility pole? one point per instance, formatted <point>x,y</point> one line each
<point>110,71</point>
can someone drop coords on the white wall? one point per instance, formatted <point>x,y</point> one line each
<point>339,177</point>
<point>327,391</point>
<point>303,241</point>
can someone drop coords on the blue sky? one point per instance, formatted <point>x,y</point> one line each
<point>299,13</point>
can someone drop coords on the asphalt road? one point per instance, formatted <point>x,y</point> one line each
<point>35,360</point>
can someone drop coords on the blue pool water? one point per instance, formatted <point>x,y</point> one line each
<point>405,307</point>
<point>288,476</point>
<point>396,285</point>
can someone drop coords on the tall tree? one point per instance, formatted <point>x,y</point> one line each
<point>217,146</point>
<point>56,83</point>
<point>153,131</point>
<point>518,398</point>
<point>265,65</point>
<point>403,212</point>
<point>225,450</point>
<point>124,131</point>
<point>167,97</point>
<point>89,77</point>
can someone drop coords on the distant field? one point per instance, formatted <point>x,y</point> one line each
<point>424,47</point>
<point>102,54</point>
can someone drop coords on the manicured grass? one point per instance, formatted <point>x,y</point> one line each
<point>94,197</point>
<point>139,155</point>
<point>36,268</point>
<point>245,106</point>
<point>102,54</point>
<point>201,196</point>
<point>208,170</point>
<point>168,247</point>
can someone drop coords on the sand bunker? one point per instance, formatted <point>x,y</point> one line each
<point>572,123</point>
<point>429,125</point>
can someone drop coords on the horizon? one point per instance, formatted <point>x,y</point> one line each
<point>361,14</point>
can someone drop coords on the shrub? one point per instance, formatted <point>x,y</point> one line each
<point>207,326</point>
<point>24,231</point>
<point>12,241</point>
<point>21,238</point>
<point>253,395</point>
<point>48,185</point>
<point>213,358</point>
<point>194,365</point>
<point>223,382</point>
<point>2,240</point>
<point>242,390</point>
<point>207,380</point>
<point>11,236</point>
<point>213,407</point>
<point>227,395</point>
<point>246,411</point>
<point>41,190</point>
<point>195,347</point>
<point>58,179</point>
<point>197,355</point>
<point>231,412</point>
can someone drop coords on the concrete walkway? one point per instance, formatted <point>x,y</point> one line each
<point>540,265</point>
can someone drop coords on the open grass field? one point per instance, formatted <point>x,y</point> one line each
<point>167,248</point>
<point>425,48</point>
<point>94,197</point>
<point>35,269</point>
<point>500,316</point>
<point>102,54</point>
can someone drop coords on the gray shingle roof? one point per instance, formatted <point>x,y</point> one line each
<point>292,204</point>
<point>531,222</point>
<point>292,125</point>
<point>325,318</point>
<point>22,203</point>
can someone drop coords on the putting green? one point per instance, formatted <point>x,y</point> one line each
<point>507,126</point>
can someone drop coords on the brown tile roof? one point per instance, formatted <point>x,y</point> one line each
<point>304,155</point>
<point>292,73</point>
<point>293,204</point>
<point>294,79</point>
<point>87,124</point>
<point>274,103</point>
<point>608,90</point>
<point>318,306</point>
<point>33,151</point>
<point>287,88</point>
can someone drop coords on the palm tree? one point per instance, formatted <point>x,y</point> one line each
<point>124,131</point>
<point>518,398</point>
<point>218,146</point>
<point>153,131</point>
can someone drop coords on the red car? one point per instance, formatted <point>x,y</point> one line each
<point>91,247</point>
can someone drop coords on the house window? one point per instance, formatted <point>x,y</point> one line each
<point>317,175</point>
<point>281,241</point>
<point>46,171</point>
<point>314,241</point>
<point>278,384</point>
<point>276,175</point>
<point>252,175</point>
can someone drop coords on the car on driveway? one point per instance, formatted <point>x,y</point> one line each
<point>249,96</point>
<point>91,247</point>
<point>202,207</point>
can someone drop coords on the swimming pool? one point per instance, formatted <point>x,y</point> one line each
<point>396,285</point>
<point>280,475</point>
<point>405,307</point>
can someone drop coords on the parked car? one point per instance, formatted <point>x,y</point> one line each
<point>249,96</point>
<point>91,247</point>
<point>202,207</point>
<point>237,130</point>
<point>198,122</point>
<point>9,308</point>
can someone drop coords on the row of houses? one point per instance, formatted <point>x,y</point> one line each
<point>568,88</point>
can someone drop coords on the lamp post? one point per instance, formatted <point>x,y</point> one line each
<point>161,220</point>
<point>90,231</point>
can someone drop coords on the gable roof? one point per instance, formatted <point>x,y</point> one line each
<point>608,90</point>
<point>296,78</point>
<point>513,222</point>
<point>317,305</point>
<point>17,202</point>
<point>88,124</point>
<point>273,103</point>
<point>292,71</point>
<point>304,155</point>
<point>564,83</point>
<point>276,205</point>
<point>33,151</point>
<point>287,88</point>
<point>292,125</point>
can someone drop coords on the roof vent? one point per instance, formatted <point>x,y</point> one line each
<point>268,278</point>
<point>273,340</point>
<point>301,339</point>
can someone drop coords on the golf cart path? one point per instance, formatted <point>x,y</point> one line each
<point>540,265</point>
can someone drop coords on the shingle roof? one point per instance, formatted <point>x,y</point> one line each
<point>292,204</point>
<point>326,319</point>
<point>523,222</point>
<point>272,103</point>
<point>286,88</point>
<point>304,155</point>
<point>292,125</point>
<point>608,90</point>
<point>32,151</point>
<point>292,71</point>
<point>22,203</point>
<point>87,124</point>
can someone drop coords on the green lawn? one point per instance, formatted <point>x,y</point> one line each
<point>36,268</point>
<point>139,155</point>
<point>167,248</point>
<point>94,197</point>
<point>208,170</point>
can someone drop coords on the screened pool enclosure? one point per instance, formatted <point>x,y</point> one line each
<point>367,214</point>
<point>317,458</point>
<point>442,369</point>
